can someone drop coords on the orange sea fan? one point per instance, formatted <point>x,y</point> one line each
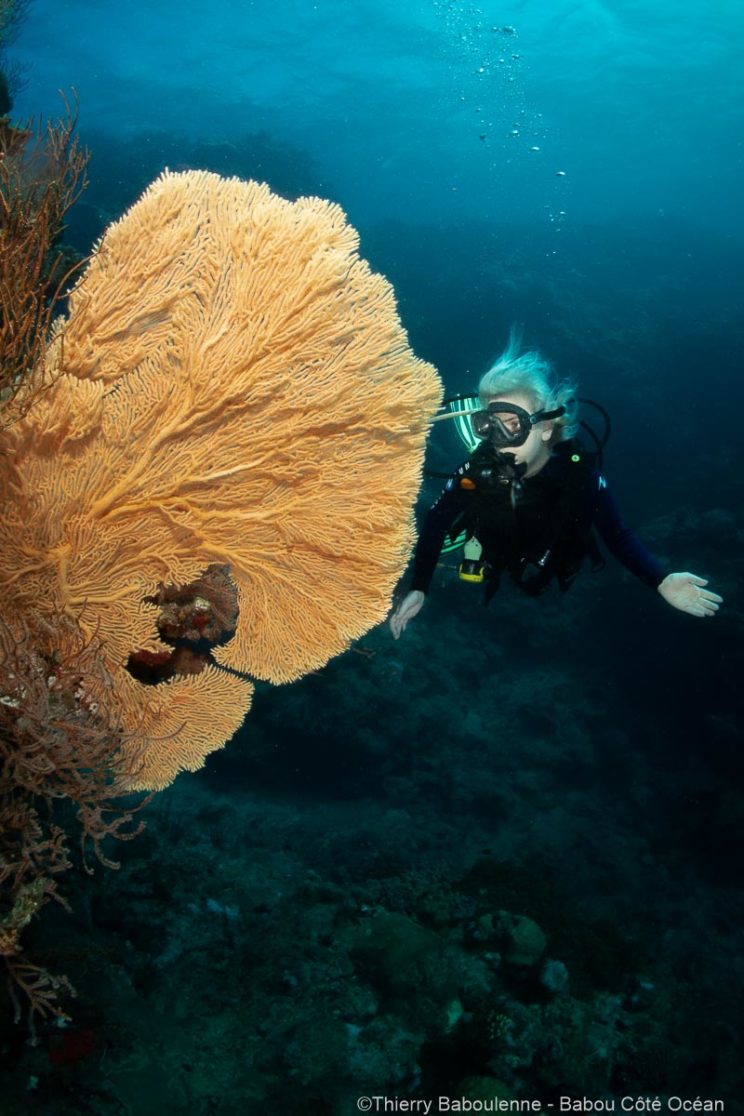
<point>233,386</point>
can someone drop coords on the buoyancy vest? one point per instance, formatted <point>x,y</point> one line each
<point>539,529</point>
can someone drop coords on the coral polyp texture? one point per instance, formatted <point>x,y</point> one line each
<point>233,386</point>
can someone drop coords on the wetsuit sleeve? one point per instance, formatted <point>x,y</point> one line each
<point>439,519</point>
<point>622,542</point>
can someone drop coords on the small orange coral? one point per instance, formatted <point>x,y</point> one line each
<point>59,740</point>
<point>41,176</point>
<point>233,386</point>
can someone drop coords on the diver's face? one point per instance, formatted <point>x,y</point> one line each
<point>534,452</point>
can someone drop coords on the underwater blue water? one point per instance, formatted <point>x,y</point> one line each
<point>409,109</point>
<point>575,166</point>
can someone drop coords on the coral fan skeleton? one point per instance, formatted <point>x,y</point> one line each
<point>201,450</point>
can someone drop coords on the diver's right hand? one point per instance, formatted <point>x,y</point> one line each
<point>409,607</point>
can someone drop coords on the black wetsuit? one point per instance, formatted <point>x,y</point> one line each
<point>518,525</point>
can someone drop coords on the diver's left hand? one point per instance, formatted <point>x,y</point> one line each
<point>687,592</point>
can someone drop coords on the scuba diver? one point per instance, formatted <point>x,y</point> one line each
<point>530,497</point>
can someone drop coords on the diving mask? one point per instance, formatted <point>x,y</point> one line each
<point>506,425</point>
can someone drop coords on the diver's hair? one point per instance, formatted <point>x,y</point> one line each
<point>530,374</point>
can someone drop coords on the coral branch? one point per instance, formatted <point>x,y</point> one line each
<point>42,173</point>
<point>59,740</point>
